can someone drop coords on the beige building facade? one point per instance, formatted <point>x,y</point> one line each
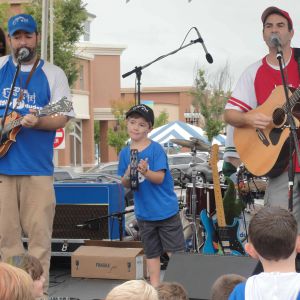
<point>98,84</point>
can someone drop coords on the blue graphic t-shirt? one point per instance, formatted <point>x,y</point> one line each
<point>152,201</point>
<point>32,153</point>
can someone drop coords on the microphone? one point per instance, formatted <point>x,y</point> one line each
<point>275,41</point>
<point>23,53</point>
<point>200,40</point>
<point>82,226</point>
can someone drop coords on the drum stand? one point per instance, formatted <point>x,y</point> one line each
<point>193,224</point>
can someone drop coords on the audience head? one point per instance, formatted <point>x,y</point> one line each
<point>15,283</point>
<point>272,234</point>
<point>171,291</point>
<point>133,290</point>
<point>224,285</point>
<point>33,267</point>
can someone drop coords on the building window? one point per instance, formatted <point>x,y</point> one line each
<point>76,143</point>
<point>81,77</point>
<point>87,31</point>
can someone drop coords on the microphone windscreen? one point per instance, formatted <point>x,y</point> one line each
<point>23,53</point>
<point>209,58</point>
<point>275,40</point>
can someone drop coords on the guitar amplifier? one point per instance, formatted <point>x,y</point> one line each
<point>69,216</point>
<point>83,212</point>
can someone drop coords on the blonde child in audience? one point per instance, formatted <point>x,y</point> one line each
<point>15,283</point>
<point>133,290</point>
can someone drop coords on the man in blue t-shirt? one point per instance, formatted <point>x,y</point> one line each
<point>27,200</point>
<point>156,204</point>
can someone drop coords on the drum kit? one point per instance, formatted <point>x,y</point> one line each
<point>194,191</point>
<point>200,196</point>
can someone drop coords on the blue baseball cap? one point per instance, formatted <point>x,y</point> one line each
<point>22,22</point>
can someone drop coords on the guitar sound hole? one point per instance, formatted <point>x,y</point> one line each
<point>278,116</point>
<point>296,110</point>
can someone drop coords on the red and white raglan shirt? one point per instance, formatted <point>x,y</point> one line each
<point>256,84</point>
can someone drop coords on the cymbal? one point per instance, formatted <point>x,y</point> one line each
<point>192,143</point>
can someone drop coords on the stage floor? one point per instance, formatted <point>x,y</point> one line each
<point>63,286</point>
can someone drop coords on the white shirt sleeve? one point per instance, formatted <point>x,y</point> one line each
<point>243,97</point>
<point>58,83</point>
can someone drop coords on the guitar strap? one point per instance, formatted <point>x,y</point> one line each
<point>297,58</point>
<point>27,81</point>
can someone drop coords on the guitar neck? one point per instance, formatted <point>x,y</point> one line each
<point>293,99</point>
<point>63,105</point>
<point>217,187</point>
<point>219,201</point>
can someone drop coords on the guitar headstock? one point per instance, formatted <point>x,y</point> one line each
<point>63,105</point>
<point>214,155</point>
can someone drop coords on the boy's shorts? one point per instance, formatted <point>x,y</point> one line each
<point>162,236</point>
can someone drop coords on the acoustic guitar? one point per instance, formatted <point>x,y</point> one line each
<point>265,152</point>
<point>12,124</point>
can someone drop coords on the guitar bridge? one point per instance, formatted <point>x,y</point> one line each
<point>262,137</point>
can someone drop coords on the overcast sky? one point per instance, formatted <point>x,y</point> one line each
<point>231,30</point>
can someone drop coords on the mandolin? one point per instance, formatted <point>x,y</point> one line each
<point>12,124</point>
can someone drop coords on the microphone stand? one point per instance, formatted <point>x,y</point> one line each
<point>9,99</point>
<point>293,139</point>
<point>138,70</point>
<point>119,215</point>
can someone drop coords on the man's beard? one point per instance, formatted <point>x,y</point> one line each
<point>29,57</point>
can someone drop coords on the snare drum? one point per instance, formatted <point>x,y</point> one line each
<point>205,198</point>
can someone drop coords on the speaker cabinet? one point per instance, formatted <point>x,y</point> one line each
<point>197,272</point>
<point>67,217</point>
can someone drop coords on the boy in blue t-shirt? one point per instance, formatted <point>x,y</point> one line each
<point>156,205</point>
<point>273,240</point>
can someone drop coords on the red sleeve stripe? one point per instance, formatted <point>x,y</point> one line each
<point>243,106</point>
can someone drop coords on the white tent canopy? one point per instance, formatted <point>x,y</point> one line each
<point>182,130</point>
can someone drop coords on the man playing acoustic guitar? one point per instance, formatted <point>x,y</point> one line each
<point>27,200</point>
<point>248,110</point>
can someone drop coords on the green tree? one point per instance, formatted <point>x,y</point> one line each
<point>69,18</point>
<point>4,15</point>
<point>210,96</point>
<point>118,135</point>
<point>161,119</point>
